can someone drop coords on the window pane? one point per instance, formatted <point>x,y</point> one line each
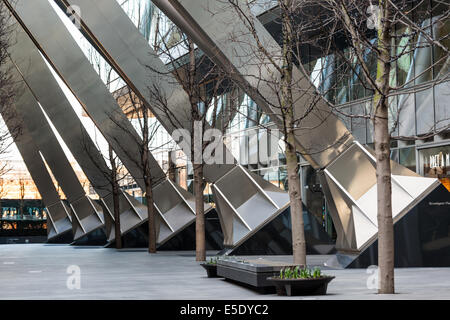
<point>408,158</point>
<point>424,111</point>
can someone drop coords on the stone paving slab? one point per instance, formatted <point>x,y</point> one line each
<point>39,271</point>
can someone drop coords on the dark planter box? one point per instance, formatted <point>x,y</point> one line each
<point>301,287</point>
<point>253,273</point>
<point>211,270</point>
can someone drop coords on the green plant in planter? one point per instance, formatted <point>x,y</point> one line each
<point>213,261</point>
<point>300,273</point>
<point>317,273</point>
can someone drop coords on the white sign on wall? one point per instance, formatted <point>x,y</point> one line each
<point>439,160</point>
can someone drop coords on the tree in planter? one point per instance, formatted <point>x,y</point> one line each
<point>204,83</point>
<point>113,175</point>
<point>202,103</point>
<point>114,179</point>
<point>283,89</point>
<point>350,21</point>
<point>117,172</point>
<point>399,28</point>
<point>111,168</point>
<point>287,111</point>
<point>147,129</point>
<point>144,132</point>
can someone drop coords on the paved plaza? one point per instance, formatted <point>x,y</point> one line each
<point>40,271</point>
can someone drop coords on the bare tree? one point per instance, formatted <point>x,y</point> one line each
<point>204,83</point>
<point>111,168</point>
<point>144,128</point>
<point>391,31</point>
<point>21,196</point>
<point>370,39</point>
<point>114,174</point>
<point>287,90</point>
<point>114,178</point>
<point>10,132</point>
<point>147,130</point>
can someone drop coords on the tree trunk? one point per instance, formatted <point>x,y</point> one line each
<point>148,182</point>
<point>172,168</point>
<point>117,231</point>
<point>295,197</point>
<point>200,245</point>
<point>287,106</point>
<point>115,194</point>
<point>382,153</point>
<point>197,148</point>
<point>149,192</point>
<point>151,218</point>
<point>384,202</point>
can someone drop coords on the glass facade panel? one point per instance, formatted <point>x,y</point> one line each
<point>343,115</point>
<point>407,158</point>
<point>369,123</point>
<point>359,129</point>
<point>22,210</point>
<point>395,155</point>
<point>441,33</point>
<point>442,105</point>
<point>313,196</point>
<point>404,61</point>
<point>283,178</point>
<point>276,237</point>
<point>342,80</point>
<point>407,119</point>
<point>425,111</point>
<point>393,115</point>
<point>22,218</point>
<point>423,57</point>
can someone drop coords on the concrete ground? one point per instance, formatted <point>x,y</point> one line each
<point>40,271</point>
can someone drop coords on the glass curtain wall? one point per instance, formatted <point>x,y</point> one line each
<point>343,85</point>
<point>419,63</point>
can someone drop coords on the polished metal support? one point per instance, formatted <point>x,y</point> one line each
<point>218,29</point>
<point>67,59</point>
<point>356,200</point>
<point>58,214</point>
<point>246,209</point>
<point>213,25</point>
<point>53,101</point>
<point>110,29</point>
<point>86,214</point>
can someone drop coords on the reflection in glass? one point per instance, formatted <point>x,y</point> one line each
<point>275,238</point>
<point>407,158</point>
<point>422,236</point>
<point>435,163</point>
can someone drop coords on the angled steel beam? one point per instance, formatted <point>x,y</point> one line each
<point>128,51</point>
<point>58,214</point>
<point>37,75</point>
<point>86,214</point>
<point>176,206</point>
<point>219,30</point>
<point>323,136</point>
